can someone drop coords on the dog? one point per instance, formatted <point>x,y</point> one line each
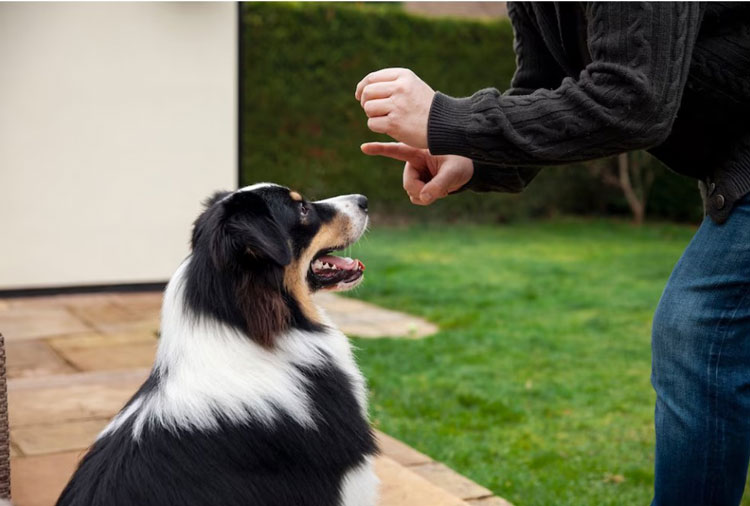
<point>254,398</point>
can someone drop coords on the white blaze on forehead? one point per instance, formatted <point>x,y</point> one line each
<point>252,187</point>
<point>258,186</point>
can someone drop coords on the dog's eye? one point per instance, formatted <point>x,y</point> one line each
<point>303,209</point>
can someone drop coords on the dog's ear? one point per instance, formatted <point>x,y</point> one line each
<point>213,199</point>
<point>206,221</point>
<point>248,228</point>
<point>263,238</point>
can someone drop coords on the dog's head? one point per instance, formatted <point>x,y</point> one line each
<point>260,252</point>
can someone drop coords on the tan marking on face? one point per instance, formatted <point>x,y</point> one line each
<point>331,234</point>
<point>295,196</point>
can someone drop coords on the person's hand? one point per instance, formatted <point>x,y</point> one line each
<point>426,177</point>
<point>397,103</point>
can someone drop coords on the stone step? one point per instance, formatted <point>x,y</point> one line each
<point>436,473</point>
<point>400,486</point>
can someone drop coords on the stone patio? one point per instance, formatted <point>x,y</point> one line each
<point>74,360</point>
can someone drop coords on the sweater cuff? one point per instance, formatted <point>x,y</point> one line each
<point>493,178</point>
<point>447,125</point>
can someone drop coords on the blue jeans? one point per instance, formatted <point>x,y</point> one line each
<point>701,369</point>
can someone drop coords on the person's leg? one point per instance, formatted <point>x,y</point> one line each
<point>701,369</point>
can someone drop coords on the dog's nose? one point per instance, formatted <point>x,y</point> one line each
<point>362,202</point>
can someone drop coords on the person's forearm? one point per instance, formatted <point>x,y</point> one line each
<point>625,99</point>
<point>493,178</point>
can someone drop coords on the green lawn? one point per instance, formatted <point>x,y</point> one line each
<point>537,385</point>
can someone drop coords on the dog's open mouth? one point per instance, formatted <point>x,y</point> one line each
<point>329,272</point>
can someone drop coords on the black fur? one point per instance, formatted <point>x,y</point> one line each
<point>238,465</point>
<point>241,243</point>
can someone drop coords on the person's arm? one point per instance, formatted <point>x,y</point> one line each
<point>536,68</point>
<point>625,99</point>
<point>494,178</point>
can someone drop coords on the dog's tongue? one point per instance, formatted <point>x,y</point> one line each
<point>344,263</point>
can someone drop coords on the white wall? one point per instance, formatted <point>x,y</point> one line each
<point>116,120</point>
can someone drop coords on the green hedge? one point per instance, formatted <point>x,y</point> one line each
<point>301,126</point>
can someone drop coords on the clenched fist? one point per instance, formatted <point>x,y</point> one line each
<point>397,102</point>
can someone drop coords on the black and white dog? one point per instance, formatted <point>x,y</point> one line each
<point>254,398</point>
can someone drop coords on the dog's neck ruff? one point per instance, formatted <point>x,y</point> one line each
<point>207,371</point>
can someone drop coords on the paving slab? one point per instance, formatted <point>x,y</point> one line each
<point>81,378</point>
<point>102,312</point>
<point>102,358</point>
<point>59,301</point>
<point>140,302</point>
<point>450,480</point>
<point>25,322</point>
<point>57,437</point>
<point>100,351</point>
<point>399,486</point>
<point>360,319</point>
<point>99,340</point>
<point>33,358</point>
<point>113,318</point>
<point>146,324</point>
<point>38,481</point>
<point>63,402</point>
<point>398,451</point>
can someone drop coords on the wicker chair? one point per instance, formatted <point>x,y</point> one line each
<point>4,432</point>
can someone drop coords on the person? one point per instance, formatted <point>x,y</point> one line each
<point>601,78</point>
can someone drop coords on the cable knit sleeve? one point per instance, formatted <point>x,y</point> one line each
<point>535,66</point>
<point>625,99</point>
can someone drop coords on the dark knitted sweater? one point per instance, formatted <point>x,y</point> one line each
<point>595,79</point>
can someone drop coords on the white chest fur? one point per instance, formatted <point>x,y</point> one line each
<point>360,486</point>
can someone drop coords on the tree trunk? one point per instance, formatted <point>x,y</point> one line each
<point>637,205</point>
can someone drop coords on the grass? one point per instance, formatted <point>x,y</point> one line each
<point>537,385</point>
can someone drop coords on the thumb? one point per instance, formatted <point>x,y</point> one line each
<point>438,187</point>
